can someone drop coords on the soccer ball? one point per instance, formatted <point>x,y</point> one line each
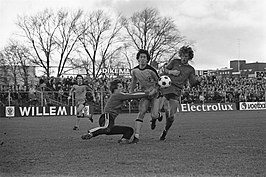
<point>164,81</point>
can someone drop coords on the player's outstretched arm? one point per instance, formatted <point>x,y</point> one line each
<point>135,95</point>
<point>172,72</point>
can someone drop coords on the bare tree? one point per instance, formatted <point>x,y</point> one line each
<point>67,38</point>
<point>128,55</point>
<point>40,31</point>
<point>13,66</point>
<point>3,69</point>
<point>23,58</point>
<point>100,40</point>
<point>17,58</point>
<point>159,35</point>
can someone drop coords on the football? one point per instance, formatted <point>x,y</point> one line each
<point>164,81</point>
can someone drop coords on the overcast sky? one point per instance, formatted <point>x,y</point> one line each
<point>223,30</point>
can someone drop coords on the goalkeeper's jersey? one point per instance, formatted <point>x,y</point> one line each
<point>115,102</point>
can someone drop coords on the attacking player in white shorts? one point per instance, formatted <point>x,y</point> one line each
<point>147,77</point>
<point>80,90</point>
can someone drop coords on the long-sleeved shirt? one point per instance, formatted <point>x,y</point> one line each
<point>115,102</point>
<point>187,73</point>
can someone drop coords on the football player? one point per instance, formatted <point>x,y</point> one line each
<point>147,77</point>
<point>180,73</point>
<point>111,111</point>
<point>80,90</point>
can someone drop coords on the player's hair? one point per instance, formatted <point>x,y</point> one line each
<point>145,52</point>
<point>114,84</point>
<point>186,49</point>
<point>79,76</point>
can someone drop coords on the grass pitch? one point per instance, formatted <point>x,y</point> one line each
<point>198,144</point>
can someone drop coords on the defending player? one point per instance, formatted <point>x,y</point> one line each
<point>180,73</point>
<point>147,77</point>
<point>111,111</point>
<point>80,90</point>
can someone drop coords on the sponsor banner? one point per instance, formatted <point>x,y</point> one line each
<point>260,74</point>
<point>87,111</point>
<point>20,111</point>
<point>116,71</point>
<point>45,111</point>
<point>252,106</point>
<point>10,111</point>
<point>208,107</point>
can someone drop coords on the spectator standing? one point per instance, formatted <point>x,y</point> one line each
<point>202,98</point>
<point>60,94</point>
<point>32,95</point>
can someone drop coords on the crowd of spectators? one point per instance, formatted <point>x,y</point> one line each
<point>211,89</point>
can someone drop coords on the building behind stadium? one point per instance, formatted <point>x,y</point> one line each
<point>238,68</point>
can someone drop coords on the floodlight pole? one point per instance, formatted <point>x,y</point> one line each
<point>9,97</point>
<point>238,64</point>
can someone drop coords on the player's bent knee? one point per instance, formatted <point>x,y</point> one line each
<point>155,115</point>
<point>80,107</point>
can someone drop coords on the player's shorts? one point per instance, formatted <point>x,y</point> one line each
<point>107,120</point>
<point>80,101</point>
<point>144,104</point>
<point>172,92</point>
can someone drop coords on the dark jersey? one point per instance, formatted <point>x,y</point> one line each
<point>147,77</point>
<point>187,73</point>
<point>115,102</point>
